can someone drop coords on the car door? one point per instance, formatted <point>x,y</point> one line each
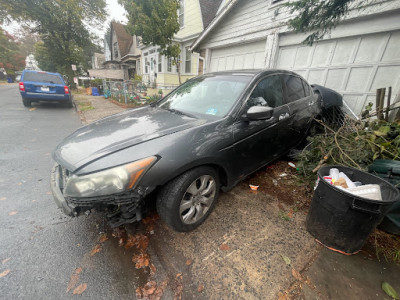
<point>301,104</point>
<point>257,141</point>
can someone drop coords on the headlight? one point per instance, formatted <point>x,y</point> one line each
<point>110,181</point>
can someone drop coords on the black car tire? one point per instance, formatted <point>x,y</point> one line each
<point>173,196</point>
<point>70,103</point>
<point>27,102</point>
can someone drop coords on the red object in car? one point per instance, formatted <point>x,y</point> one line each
<point>66,90</point>
<point>21,87</point>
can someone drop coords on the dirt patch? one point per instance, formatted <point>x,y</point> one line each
<point>283,183</point>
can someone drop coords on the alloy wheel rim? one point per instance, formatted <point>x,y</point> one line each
<point>197,199</point>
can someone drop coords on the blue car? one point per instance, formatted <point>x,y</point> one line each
<point>38,86</point>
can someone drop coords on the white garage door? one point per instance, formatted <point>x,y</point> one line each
<point>246,56</point>
<point>355,67</point>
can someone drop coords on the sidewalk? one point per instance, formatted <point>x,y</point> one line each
<point>252,265</point>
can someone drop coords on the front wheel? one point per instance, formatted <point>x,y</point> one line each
<point>26,102</point>
<point>185,202</point>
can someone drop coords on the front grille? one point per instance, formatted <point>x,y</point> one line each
<point>117,199</point>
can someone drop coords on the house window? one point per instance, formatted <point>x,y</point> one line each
<point>188,61</point>
<point>169,64</point>
<point>146,65</point>
<point>115,49</point>
<point>152,64</point>
<point>159,63</point>
<point>181,13</point>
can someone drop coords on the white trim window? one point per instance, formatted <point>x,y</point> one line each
<point>188,61</point>
<point>115,49</point>
<point>169,65</point>
<point>181,13</point>
<point>146,65</point>
<point>159,63</point>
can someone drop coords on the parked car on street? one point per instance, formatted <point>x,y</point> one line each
<point>206,135</point>
<point>36,86</point>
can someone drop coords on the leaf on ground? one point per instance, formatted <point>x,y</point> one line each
<point>224,247</point>
<point>3,198</point>
<point>118,232</point>
<point>389,290</point>
<point>149,288</point>
<point>4,273</point>
<point>5,260</point>
<point>74,279</point>
<point>286,259</point>
<point>188,262</point>
<point>121,242</point>
<point>296,275</point>
<point>131,241</point>
<point>96,249</point>
<point>152,269</point>
<point>103,238</point>
<point>142,260</point>
<point>142,242</point>
<point>139,294</point>
<point>32,109</point>
<point>178,276</point>
<point>11,213</point>
<point>200,288</point>
<point>80,289</point>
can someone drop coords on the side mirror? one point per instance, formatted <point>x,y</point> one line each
<point>259,113</point>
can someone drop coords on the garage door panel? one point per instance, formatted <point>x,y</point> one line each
<point>368,50</point>
<point>334,79</point>
<point>358,79</point>
<point>321,54</point>
<point>302,57</point>
<point>239,62</point>
<point>259,61</point>
<point>316,77</point>
<point>221,64</point>
<point>386,76</point>
<point>392,51</point>
<point>355,101</point>
<point>230,63</point>
<point>286,58</point>
<point>343,51</point>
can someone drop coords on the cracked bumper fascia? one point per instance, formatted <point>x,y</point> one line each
<point>69,210</point>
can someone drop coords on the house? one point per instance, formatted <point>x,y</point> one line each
<point>194,16</point>
<point>98,61</point>
<point>357,57</point>
<point>121,55</point>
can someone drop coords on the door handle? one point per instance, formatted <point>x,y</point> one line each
<point>283,116</point>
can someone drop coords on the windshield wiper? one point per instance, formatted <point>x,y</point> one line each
<point>179,112</point>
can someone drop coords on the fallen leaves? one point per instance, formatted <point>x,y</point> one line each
<point>200,288</point>
<point>140,241</point>
<point>286,259</point>
<point>96,249</point>
<point>142,260</point>
<point>297,275</point>
<point>151,290</point>
<point>188,262</point>
<point>3,198</point>
<point>12,213</point>
<point>4,273</point>
<point>103,238</point>
<point>80,289</point>
<point>74,279</point>
<point>5,260</point>
<point>224,247</point>
<point>389,290</point>
<point>32,109</point>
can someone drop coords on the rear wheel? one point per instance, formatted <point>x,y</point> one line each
<point>27,102</point>
<point>185,202</point>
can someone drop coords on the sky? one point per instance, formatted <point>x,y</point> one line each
<point>115,11</point>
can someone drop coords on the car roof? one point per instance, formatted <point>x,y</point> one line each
<point>251,72</point>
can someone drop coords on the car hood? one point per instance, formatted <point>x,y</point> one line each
<point>118,132</point>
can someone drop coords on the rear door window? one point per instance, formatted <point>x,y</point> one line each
<point>294,88</point>
<point>42,77</point>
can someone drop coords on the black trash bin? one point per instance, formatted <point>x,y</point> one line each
<point>342,221</point>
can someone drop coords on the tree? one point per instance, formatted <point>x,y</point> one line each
<point>319,17</point>
<point>156,22</point>
<point>10,59</point>
<point>27,40</point>
<point>62,26</point>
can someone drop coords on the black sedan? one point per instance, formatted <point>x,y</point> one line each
<point>206,135</point>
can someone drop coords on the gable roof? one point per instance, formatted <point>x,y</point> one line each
<point>214,21</point>
<point>124,39</point>
<point>209,9</point>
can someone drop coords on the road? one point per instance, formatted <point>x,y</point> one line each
<point>44,254</point>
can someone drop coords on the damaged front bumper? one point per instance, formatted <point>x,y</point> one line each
<point>127,201</point>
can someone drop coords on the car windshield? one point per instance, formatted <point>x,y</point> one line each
<point>206,96</point>
<point>42,77</point>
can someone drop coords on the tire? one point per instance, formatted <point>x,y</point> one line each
<point>186,201</point>
<point>70,103</point>
<point>27,102</point>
